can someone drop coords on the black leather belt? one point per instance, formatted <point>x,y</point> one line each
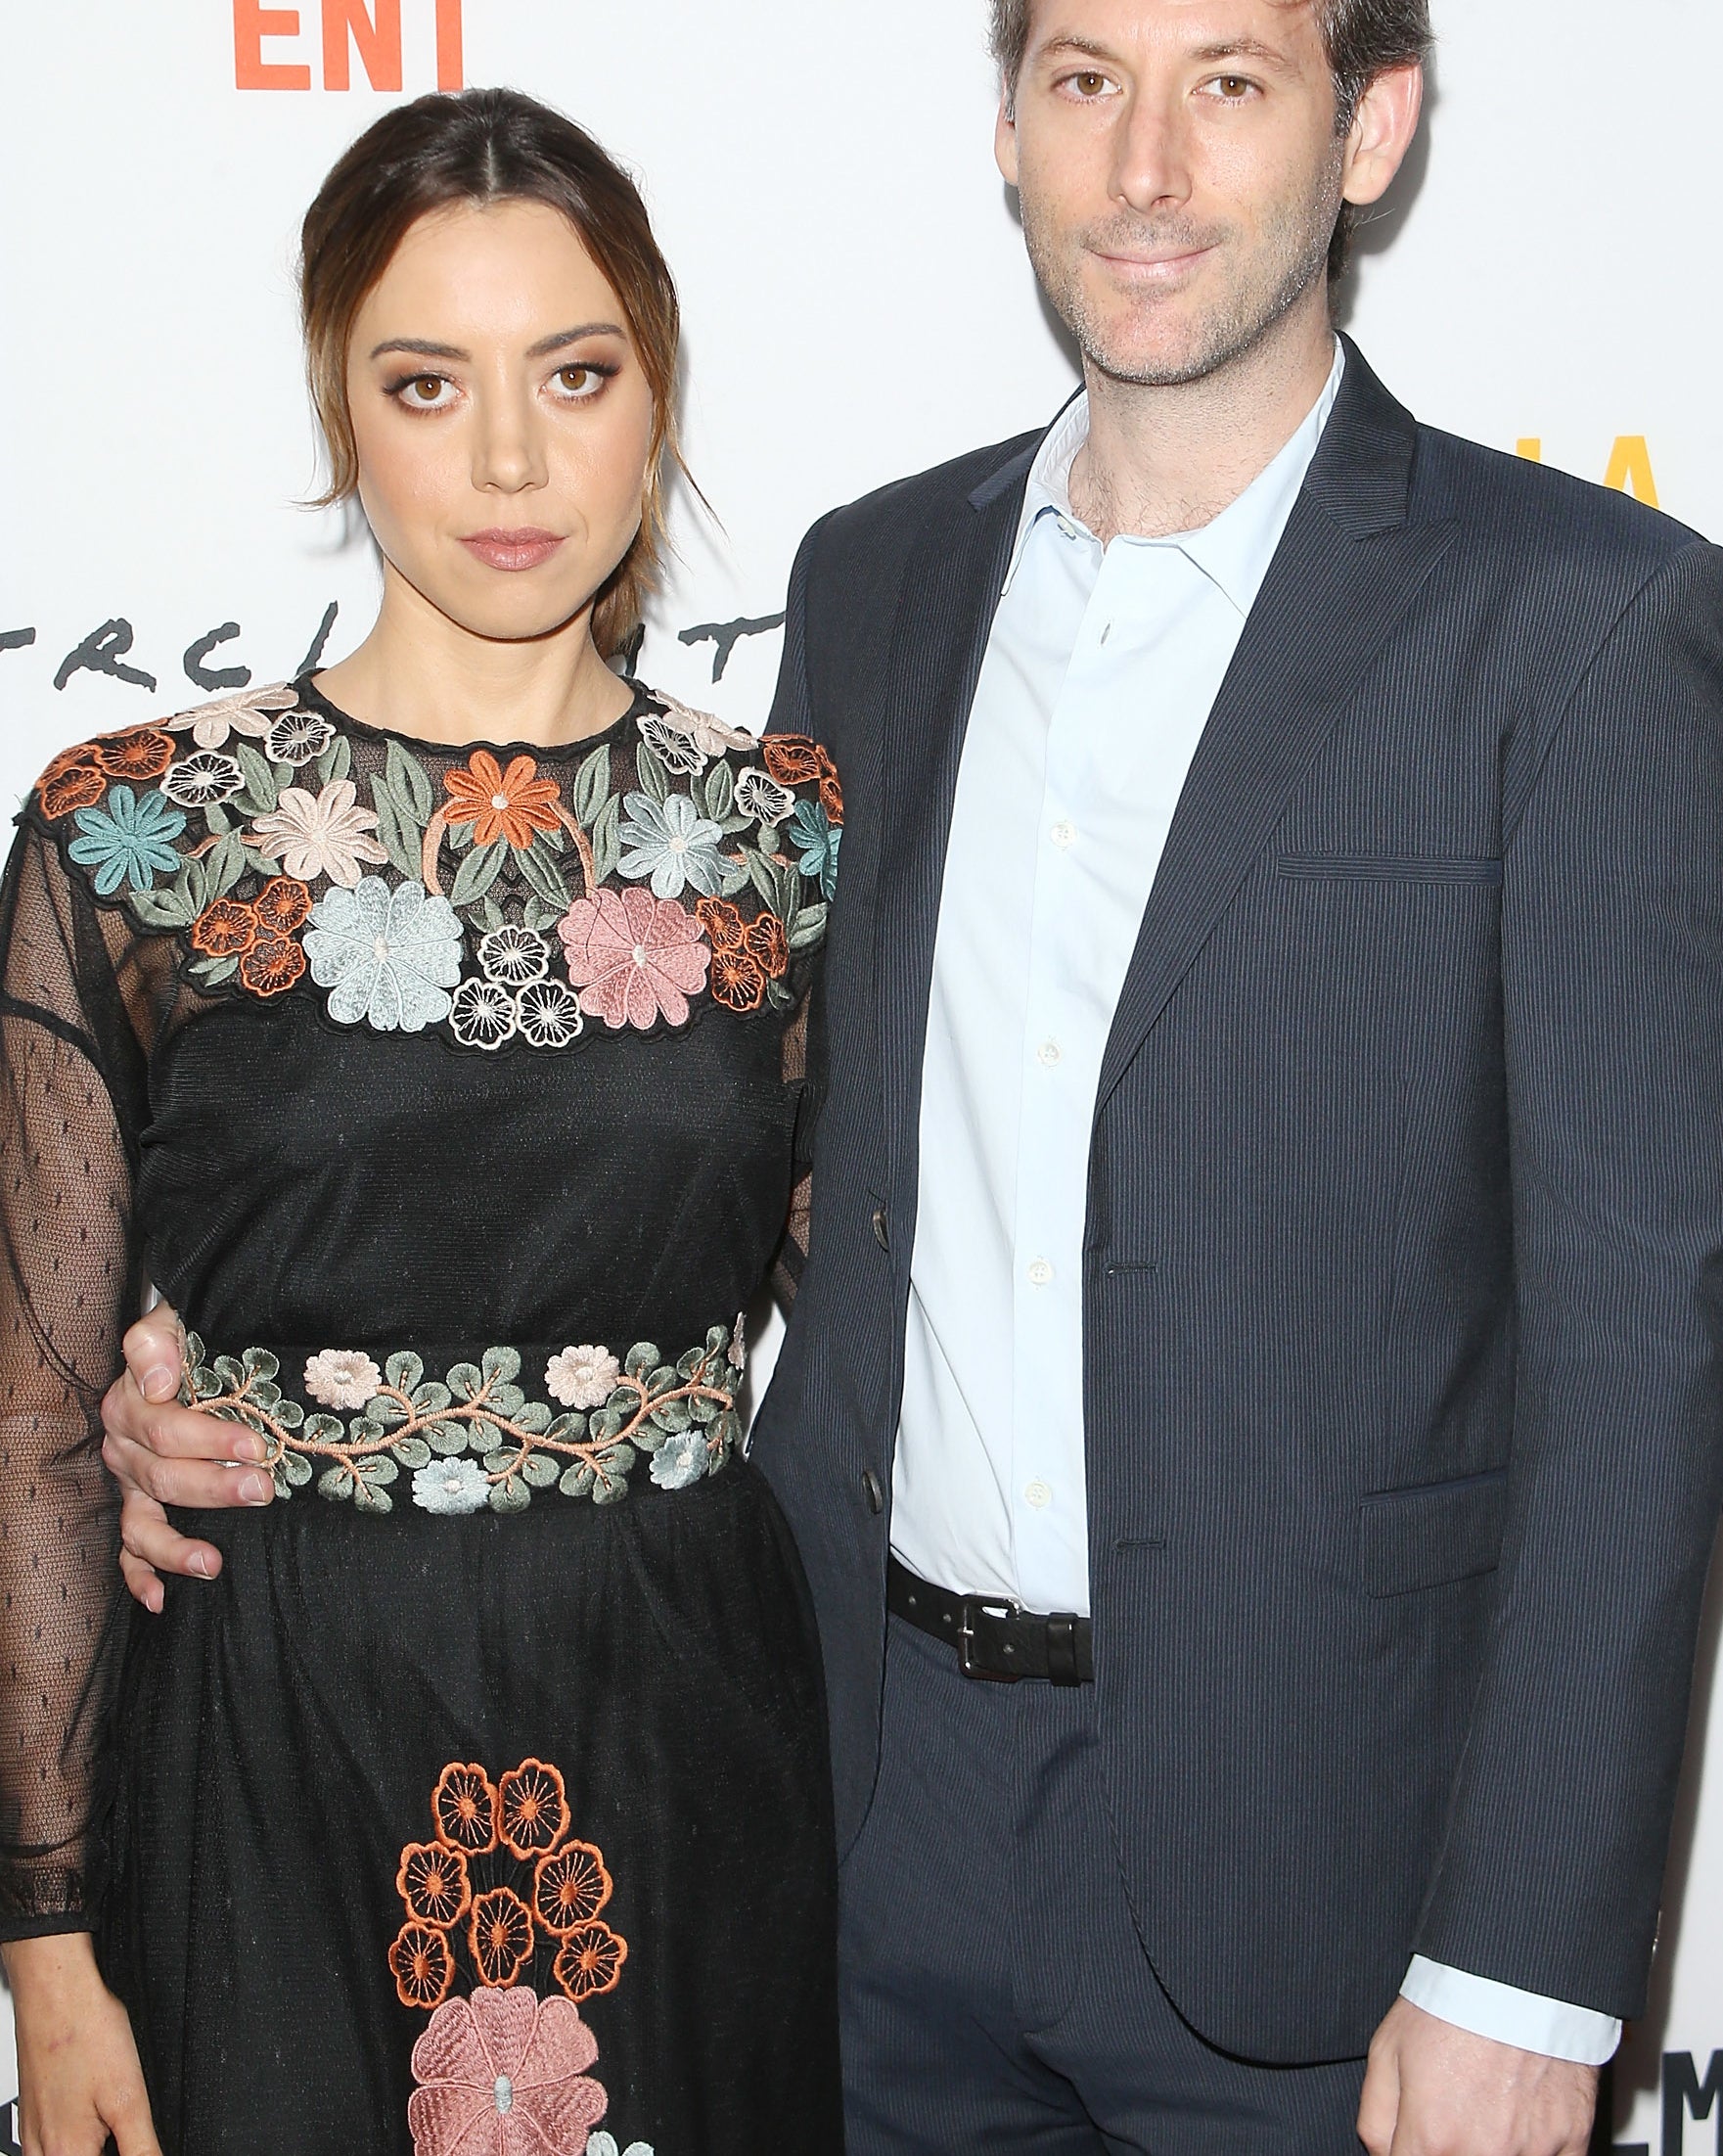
<point>996,1642</point>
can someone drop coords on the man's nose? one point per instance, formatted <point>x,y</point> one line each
<point>1152,151</point>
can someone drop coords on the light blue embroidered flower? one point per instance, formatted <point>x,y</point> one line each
<point>811,829</point>
<point>605,2144</point>
<point>452,1487</point>
<point>673,845</point>
<point>390,957</point>
<point>680,1461</point>
<point>127,839</point>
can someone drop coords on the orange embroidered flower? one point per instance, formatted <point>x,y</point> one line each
<point>272,965</point>
<point>792,760</point>
<point>434,1884</point>
<point>830,789</point>
<point>501,1936</point>
<point>724,925</point>
<point>768,947</point>
<point>737,980</point>
<point>590,1961</point>
<point>569,1888</point>
<point>506,804</point>
<point>140,753</point>
<point>283,905</point>
<point>224,929</point>
<point>464,1804</point>
<point>423,1967</point>
<point>72,781</point>
<point>532,1807</point>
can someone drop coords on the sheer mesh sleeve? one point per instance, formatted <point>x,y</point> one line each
<point>71,1078</point>
<point>803,1066</point>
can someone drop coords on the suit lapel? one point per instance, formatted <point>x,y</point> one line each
<point>1348,567</point>
<point>944,618</point>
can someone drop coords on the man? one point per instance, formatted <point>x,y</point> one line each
<point>1268,1231</point>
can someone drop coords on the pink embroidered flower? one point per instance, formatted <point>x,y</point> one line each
<point>504,2073</point>
<point>633,956</point>
<point>582,1377</point>
<point>343,1377</point>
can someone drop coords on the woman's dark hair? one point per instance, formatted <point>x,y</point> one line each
<point>490,146</point>
<point>1365,38</point>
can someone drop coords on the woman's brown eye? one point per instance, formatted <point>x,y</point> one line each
<point>427,388</point>
<point>576,378</point>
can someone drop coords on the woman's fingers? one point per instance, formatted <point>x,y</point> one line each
<point>154,1352</point>
<point>150,1546</point>
<point>171,1431</point>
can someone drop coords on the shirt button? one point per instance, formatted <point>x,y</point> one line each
<point>1049,1053</point>
<point>1067,527</point>
<point>1038,1495</point>
<point>1062,834</point>
<point>1040,1274</point>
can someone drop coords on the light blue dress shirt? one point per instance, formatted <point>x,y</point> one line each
<point>1100,671</point>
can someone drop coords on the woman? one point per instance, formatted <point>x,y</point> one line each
<point>431,1033</point>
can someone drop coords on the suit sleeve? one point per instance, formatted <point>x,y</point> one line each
<point>1612,980</point>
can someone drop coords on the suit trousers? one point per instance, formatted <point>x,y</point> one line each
<point>996,1995</point>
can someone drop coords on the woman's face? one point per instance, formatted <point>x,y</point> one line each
<point>502,418</point>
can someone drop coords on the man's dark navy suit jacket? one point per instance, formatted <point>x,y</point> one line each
<point>1403,1291</point>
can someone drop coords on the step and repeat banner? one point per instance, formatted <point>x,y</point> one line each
<point>858,305</point>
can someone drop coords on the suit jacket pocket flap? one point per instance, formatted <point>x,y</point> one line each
<point>1389,869</point>
<point>1413,1538</point>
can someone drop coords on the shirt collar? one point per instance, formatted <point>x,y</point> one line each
<point>1236,550</point>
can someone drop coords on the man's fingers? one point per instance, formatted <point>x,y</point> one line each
<point>151,1544</point>
<point>1380,2109</point>
<point>154,1352</point>
<point>174,1431</point>
<point>200,1486</point>
<point>130,2123</point>
<point>143,1583</point>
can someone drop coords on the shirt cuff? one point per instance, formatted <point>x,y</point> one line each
<point>1505,2016</point>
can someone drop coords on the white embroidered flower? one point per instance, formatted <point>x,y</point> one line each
<point>387,957</point>
<point>202,779</point>
<point>707,733</point>
<point>296,737</point>
<point>326,834</point>
<point>674,745</point>
<point>759,796</point>
<point>582,1377</point>
<point>515,956</point>
<point>343,1377</point>
<point>605,2144</point>
<point>248,712</point>
<point>452,1487</point>
<point>738,1355</point>
<point>483,1013</point>
<point>549,1015</point>
<point>673,843</point>
<point>680,1461</point>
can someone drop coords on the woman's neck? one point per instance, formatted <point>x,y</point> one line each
<point>419,673</point>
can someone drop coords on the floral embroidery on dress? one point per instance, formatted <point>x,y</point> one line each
<point>503,1893</point>
<point>472,1440</point>
<point>678,863</point>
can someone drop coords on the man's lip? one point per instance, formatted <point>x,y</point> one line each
<point>1153,265</point>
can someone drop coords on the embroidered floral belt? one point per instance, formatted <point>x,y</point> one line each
<point>473,1437</point>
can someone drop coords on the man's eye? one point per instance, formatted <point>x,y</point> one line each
<point>1234,87</point>
<point>1089,83</point>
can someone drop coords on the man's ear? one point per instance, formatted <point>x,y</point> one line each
<point>1383,132</point>
<point>1005,140</point>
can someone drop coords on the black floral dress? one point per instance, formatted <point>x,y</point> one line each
<point>479,1808</point>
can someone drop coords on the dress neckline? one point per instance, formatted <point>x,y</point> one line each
<point>642,701</point>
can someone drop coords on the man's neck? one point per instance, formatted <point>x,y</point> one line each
<point>1164,460</point>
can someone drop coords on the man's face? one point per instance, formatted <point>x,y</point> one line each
<point>1180,168</point>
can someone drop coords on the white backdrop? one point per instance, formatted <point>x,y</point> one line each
<point>858,305</point>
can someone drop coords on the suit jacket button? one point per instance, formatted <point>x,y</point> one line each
<point>882,1230</point>
<point>875,1495</point>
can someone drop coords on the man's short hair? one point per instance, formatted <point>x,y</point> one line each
<point>1365,38</point>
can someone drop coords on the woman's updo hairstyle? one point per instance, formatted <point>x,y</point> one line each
<point>482,146</point>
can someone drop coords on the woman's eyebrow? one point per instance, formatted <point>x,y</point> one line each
<point>554,342</point>
<point>423,347</point>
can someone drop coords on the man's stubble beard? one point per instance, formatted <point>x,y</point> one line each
<point>1272,281</point>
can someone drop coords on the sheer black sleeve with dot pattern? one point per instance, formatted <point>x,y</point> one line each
<point>71,1093</point>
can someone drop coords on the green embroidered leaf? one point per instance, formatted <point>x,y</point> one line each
<point>759,871</point>
<point>194,1348</point>
<point>540,869</point>
<point>641,1357</point>
<point>380,1469</point>
<point>448,1439</point>
<point>541,917</point>
<point>369,1498</point>
<point>502,1363</point>
<point>662,1379</point>
<point>705,1409</point>
<point>654,779</point>
<point>289,1414</point>
<point>612,1421</point>
<point>532,1416</point>
<point>194,882</point>
<point>231,1371</point>
<point>691,1362</point>
<point>478,871</point>
<point>218,819</point>
<point>507,1400</point>
<point>732,878</point>
<point>406,853</point>
<point>325,1430</point>
<point>733,824</point>
<point>296,1467</point>
<point>162,909</point>
<point>259,775</point>
<point>592,786</point>
<point>265,864</point>
<point>566,1430</point>
<point>413,1453</point>
<point>811,927</point>
<point>491,916</point>
<point>388,1414</point>
<point>410,780</point>
<point>720,791</point>
<point>727,1431</point>
<point>431,1398</point>
<point>647,1439</point>
<point>607,841</point>
<point>261,1364</point>
<point>540,1470</point>
<point>464,1380</point>
<point>264,1396</point>
<point>226,865</point>
<point>576,1481</point>
<point>404,1369</point>
<point>459,835</point>
<point>205,1384</point>
<point>336,1483</point>
<point>511,1495</point>
<point>675,1416</point>
<point>212,972</point>
<point>335,761</point>
<point>780,997</point>
<point>612,1482</point>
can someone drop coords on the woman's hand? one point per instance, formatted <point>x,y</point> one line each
<point>79,2079</point>
<point>163,1454</point>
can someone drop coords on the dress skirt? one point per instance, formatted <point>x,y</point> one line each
<point>481,1835</point>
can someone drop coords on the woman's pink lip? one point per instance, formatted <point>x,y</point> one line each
<point>525,548</point>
